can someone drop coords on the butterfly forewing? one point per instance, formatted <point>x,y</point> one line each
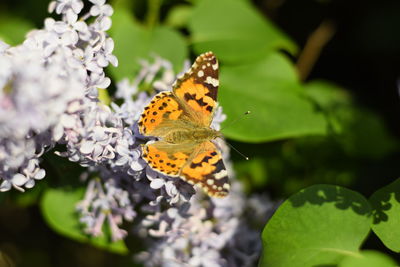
<point>198,88</point>
<point>162,112</point>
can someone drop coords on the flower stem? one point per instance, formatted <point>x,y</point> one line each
<point>153,13</point>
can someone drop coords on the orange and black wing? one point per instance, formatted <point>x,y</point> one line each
<point>197,89</point>
<point>207,170</point>
<point>166,158</point>
<point>161,115</point>
<point>200,165</point>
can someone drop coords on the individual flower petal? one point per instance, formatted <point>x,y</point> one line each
<point>40,174</point>
<point>87,147</point>
<point>5,186</point>
<point>30,183</point>
<point>19,179</point>
<point>157,183</point>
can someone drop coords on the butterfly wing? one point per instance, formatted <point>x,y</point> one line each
<point>206,169</point>
<point>199,164</point>
<point>161,115</point>
<point>190,105</point>
<point>167,158</point>
<point>197,89</point>
<point>192,101</point>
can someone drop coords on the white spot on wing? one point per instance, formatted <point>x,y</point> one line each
<point>221,174</point>
<point>200,73</point>
<point>212,81</point>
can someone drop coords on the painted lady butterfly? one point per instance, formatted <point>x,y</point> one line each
<point>181,121</point>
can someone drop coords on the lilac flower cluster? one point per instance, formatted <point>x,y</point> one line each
<point>49,96</point>
<point>204,231</point>
<point>46,84</point>
<point>121,169</point>
<point>36,92</point>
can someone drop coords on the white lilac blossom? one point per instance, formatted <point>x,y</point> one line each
<point>49,96</point>
<point>35,94</point>
<point>46,83</point>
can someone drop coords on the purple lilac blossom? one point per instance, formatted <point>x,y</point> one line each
<point>49,96</point>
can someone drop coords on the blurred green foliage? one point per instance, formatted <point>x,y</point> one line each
<point>234,31</point>
<point>278,104</point>
<point>66,222</point>
<point>298,134</point>
<point>135,42</point>
<point>14,29</point>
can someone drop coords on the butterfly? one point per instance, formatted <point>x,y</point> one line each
<point>181,122</point>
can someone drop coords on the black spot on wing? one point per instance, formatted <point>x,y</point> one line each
<point>220,167</point>
<point>205,159</point>
<point>207,64</point>
<point>188,96</point>
<point>200,101</point>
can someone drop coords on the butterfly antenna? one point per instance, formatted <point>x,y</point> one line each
<point>235,120</point>
<point>240,153</point>
<point>230,123</point>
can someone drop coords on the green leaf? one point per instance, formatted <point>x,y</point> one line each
<point>104,96</point>
<point>386,212</point>
<point>234,31</point>
<point>58,209</point>
<point>329,97</point>
<point>352,122</point>
<point>270,90</point>
<point>368,258</point>
<point>14,29</point>
<point>178,16</point>
<point>327,94</point>
<point>317,226</point>
<point>133,42</point>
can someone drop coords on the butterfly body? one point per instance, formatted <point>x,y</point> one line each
<point>181,121</point>
<point>191,135</point>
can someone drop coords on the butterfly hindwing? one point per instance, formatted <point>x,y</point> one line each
<point>207,170</point>
<point>167,158</point>
<point>200,165</point>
